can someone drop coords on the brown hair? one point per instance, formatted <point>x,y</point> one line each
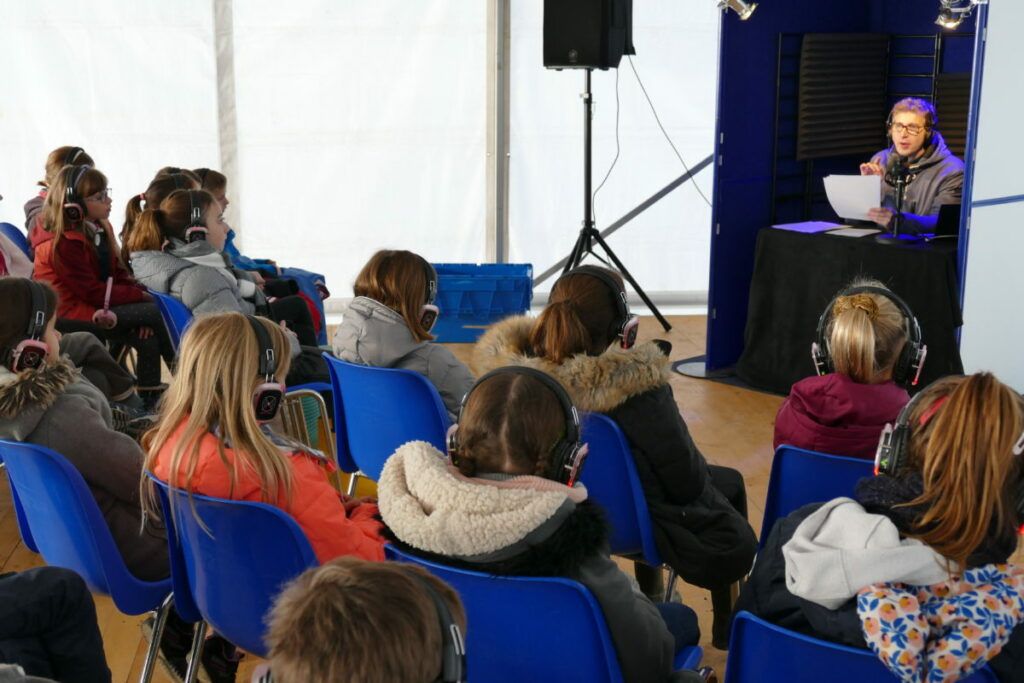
<point>68,155</point>
<point>16,311</point>
<point>169,221</point>
<point>510,424</point>
<point>89,183</point>
<point>174,170</point>
<point>159,189</point>
<point>580,317</point>
<point>210,180</point>
<point>865,334</point>
<point>964,452</point>
<point>917,106</point>
<point>358,621</point>
<point>397,279</point>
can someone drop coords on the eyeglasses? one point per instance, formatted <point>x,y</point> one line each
<point>100,196</point>
<point>913,129</point>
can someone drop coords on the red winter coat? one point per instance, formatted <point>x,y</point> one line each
<point>835,415</point>
<point>77,275</point>
<point>315,505</point>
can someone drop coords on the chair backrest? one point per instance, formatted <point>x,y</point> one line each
<point>612,482</point>
<point>800,477</point>
<point>763,652</point>
<point>376,410</point>
<point>15,235</point>
<point>69,529</point>
<point>528,629</point>
<point>175,314</point>
<point>235,557</point>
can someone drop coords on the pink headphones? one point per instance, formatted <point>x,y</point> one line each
<point>30,353</point>
<point>269,394</point>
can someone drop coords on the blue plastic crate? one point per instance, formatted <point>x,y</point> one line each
<point>471,296</point>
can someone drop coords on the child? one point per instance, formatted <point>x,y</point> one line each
<point>67,155</point>
<point>585,338</point>
<point>159,188</point>
<point>388,324</point>
<point>362,622</point>
<point>930,534</point>
<point>210,439</point>
<point>80,260</point>
<point>45,401</point>
<point>864,334</point>
<point>507,504</point>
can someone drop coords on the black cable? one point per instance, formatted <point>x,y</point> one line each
<point>593,197</point>
<point>653,111</point>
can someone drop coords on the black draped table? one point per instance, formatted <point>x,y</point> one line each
<point>796,275</point>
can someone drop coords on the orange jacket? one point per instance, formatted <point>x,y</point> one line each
<point>315,505</point>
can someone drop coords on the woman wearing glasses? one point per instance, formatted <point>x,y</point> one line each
<point>934,175</point>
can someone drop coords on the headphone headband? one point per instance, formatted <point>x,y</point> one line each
<point>73,178</point>
<point>72,154</point>
<point>626,324</point>
<point>31,352</point>
<point>37,321</point>
<point>431,281</point>
<point>196,228</point>
<point>453,645</point>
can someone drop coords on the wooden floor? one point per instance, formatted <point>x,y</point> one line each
<point>732,426</point>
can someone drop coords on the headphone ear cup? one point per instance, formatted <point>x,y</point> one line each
<point>266,400</point>
<point>29,355</point>
<point>73,213</point>
<point>452,440</point>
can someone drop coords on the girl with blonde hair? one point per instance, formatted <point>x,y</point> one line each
<point>868,348</point>
<point>915,565</point>
<point>66,155</point>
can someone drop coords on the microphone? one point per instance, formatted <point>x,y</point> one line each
<point>898,169</point>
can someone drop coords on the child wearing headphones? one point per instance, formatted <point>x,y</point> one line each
<point>44,400</point>
<point>363,622</point>
<point>585,338</point>
<point>507,502</point>
<point>67,155</point>
<point>79,258</point>
<point>867,348</point>
<point>388,323</point>
<point>159,188</point>
<point>914,567</point>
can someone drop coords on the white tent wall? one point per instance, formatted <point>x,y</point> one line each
<point>134,84</point>
<point>666,247</point>
<point>994,280</point>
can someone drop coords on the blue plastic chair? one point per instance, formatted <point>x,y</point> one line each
<point>70,532</point>
<point>766,653</point>
<point>533,629</point>
<point>613,483</point>
<point>800,477</point>
<point>176,316</point>
<point>229,567</point>
<point>376,410</point>
<point>15,235</point>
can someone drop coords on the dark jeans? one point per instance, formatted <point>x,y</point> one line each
<point>48,626</point>
<point>681,622</point>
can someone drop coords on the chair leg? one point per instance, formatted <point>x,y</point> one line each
<point>194,657</point>
<point>158,633</point>
<point>352,481</point>
<point>670,584</point>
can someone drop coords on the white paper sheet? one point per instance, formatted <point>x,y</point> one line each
<point>852,195</point>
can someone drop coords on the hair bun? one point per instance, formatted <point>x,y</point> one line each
<point>862,301</point>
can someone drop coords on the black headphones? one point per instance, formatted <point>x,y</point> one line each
<point>269,394</point>
<point>626,324</point>
<point>74,206</point>
<point>910,361</point>
<point>196,228</point>
<point>429,311</point>
<point>931,121</point>
<point>895,439</point>
<point>568,454</point>
<point>73,154</point>
<point>453,654</point>
<point>31,352</point>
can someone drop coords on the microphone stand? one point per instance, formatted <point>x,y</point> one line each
<point>900,175</point>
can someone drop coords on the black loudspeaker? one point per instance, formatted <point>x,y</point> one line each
<point>587,34</point>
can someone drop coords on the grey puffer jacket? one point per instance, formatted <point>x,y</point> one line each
<point>54,406</point>
<point>520,526</point>
<point>937,178</point>
<point>203,289</point>
<point>372,334</point>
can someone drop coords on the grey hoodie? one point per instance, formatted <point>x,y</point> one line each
<point>937,178</point>
<point>202,288</point>
<point>841,548</point>
<point>372,334</point>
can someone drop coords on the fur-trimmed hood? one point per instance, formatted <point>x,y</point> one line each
<point>595,383</point>
<point>26,396</point>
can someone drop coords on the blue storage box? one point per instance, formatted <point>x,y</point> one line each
<point>471,296</point>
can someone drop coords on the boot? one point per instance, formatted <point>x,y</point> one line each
<point>722,600</point>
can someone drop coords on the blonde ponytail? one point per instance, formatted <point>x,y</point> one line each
<point>866,334</point>
<point>147,233</point>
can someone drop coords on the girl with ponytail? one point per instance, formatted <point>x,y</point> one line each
<point>915,565</point>
<point>66,155</point>
<point>160,187</point>
<point>843,411</point>
<point>583,338</point>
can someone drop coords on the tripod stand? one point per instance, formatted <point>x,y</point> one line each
<point>589,233</point>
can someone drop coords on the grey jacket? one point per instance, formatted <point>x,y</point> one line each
<point>372,334</point>
<point>201,288</point>
<point>937,178</point>
<point>520,526</point>
<point>54,407</point>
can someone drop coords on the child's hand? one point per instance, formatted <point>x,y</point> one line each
<point>145,332</point>
<point>351,502</point>
<point>257,278</point>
